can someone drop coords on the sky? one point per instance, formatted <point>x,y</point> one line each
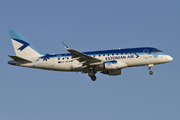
<point>90,25</point>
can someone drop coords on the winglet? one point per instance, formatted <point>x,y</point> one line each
<point>66,47</point>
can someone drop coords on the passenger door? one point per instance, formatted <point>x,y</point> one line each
<point>146,53</point>
<point>52,61</point>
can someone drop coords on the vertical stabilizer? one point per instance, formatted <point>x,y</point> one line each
<point>22,47</point>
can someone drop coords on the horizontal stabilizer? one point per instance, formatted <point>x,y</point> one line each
<point>19,59</point>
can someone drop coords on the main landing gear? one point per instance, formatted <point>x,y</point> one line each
<point>92,75</point>
<point>150,67</point>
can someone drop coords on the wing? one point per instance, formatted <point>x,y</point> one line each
<point>83,58</point>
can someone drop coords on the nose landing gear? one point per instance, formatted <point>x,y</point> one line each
<point>150,67</point>
<point>150,72</point>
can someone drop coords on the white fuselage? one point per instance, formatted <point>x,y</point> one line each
<point>70,64</point>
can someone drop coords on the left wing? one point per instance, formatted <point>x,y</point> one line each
<point>83,58</point>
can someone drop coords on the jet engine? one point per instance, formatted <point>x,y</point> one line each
<point>112,72</point>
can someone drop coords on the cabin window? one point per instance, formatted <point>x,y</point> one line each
<point>99,55</point>
<point>121,53</point>
<point>112,54</point>
<point>108,54</point>
<point>116,53</point>
<point>134,52</point>
<point>63,58</point>
<point>103,55</point>
<point>67,57</point>
<point>130,53</point>
<point>126,53</point>
<point>58,58</point>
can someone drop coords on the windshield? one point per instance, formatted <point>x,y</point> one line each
<point>156,50</point>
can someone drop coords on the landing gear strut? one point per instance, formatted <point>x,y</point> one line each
<point>150,67</point>
<point>92,75</point>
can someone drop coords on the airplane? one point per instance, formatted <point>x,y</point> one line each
<point>109,62</point>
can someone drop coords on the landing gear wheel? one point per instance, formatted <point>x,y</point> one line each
<point>150,72</point>
<point>93,78</point>
<point>91,74</point>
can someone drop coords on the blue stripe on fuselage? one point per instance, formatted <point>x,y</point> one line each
<point>138,51</point>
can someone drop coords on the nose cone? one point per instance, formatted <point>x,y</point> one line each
<point>169,58</point>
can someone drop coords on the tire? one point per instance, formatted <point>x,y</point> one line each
<point>93,78</point>
<point>91,74</point>
<point>150,72</point>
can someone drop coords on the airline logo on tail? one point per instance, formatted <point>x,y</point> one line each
<point>25,44</point>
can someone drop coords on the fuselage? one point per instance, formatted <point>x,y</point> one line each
<point>131,57</point>
<point>109,62</point>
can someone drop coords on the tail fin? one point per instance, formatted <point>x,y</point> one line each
<point>22,47</point>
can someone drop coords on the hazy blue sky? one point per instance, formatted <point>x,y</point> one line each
<point>32,94</point>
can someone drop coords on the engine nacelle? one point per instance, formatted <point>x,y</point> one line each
<point>113,65</point>
<point>112,72</point>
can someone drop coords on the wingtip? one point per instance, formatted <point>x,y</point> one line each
<point>66,47</point>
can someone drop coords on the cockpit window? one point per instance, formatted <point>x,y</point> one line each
<point>156,50</point>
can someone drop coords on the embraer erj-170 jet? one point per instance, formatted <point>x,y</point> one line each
<point>108,62</point>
